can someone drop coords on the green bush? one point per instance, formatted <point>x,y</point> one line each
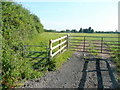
<point>18,26</point>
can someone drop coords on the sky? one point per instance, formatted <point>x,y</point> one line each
<point>101,15</point>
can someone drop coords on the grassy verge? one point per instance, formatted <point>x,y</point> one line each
<point>59,59</point>
<point>44,38</point>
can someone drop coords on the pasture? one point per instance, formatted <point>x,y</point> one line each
<point>111,45</point>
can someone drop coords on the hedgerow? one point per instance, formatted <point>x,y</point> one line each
<point>18,26</point>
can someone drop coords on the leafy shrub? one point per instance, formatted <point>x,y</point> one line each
<point>18,26</point>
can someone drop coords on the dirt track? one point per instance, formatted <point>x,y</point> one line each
<point>79,72</point>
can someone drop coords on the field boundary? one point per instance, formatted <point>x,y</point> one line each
<point>100,44</point>
<point>62,45</point>
<point>25,51</point>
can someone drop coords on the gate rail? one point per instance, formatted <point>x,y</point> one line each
<point>62,44</point>
<point>41,52</point>
<point>101,42</point>
<point>55,46</point>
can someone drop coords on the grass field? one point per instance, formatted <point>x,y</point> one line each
<point>45,37</point>
<point>57,61</point>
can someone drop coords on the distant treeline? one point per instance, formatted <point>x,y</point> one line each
<point>87,30</point>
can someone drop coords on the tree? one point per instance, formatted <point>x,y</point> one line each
<point>92,31</point>
<point>67,30</point>
<point>63,31</point>
<point>89,28</point>
<point>74,31</point>
<point>50,30</point>
<point>80,30</point>
<point>85,30</point>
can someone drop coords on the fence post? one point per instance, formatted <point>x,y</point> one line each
<point>101,43</point>
<point>67,41</point>
<point>50,46</point>
<point>60,45</point>
<point>84,44</point>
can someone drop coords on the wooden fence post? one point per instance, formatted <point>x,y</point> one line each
<point>84,44</point>
<point>50,46</point>
<point>67,41</point>
<point>60,45</point>
<point>101,43</point>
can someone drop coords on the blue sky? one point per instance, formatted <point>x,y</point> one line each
<point>102,16</point>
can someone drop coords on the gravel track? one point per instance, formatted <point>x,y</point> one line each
<point>79,72</point>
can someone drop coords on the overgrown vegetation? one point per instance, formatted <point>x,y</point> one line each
<point>18,26</point>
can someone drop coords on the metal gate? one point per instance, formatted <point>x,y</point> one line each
<point>94,44</point>
<point>38,55</point>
